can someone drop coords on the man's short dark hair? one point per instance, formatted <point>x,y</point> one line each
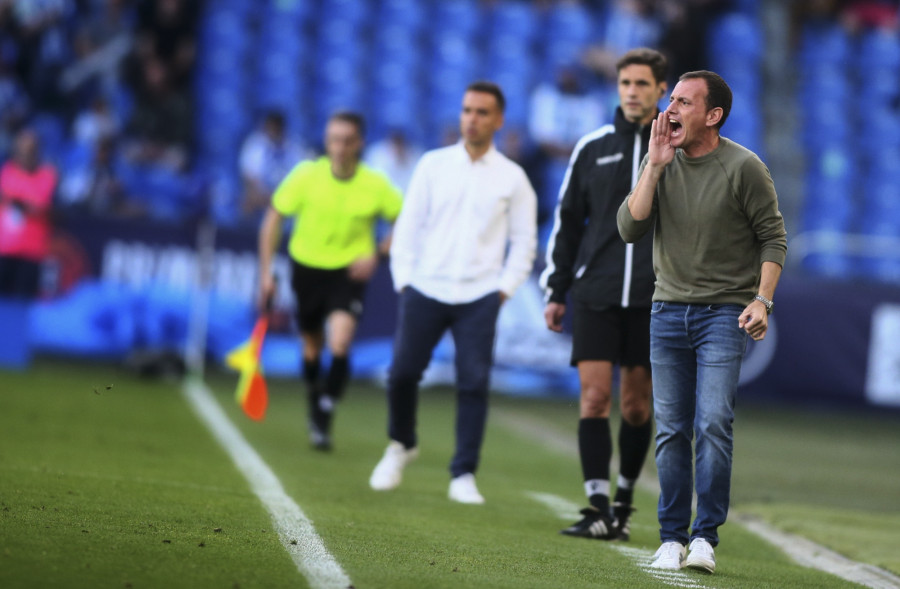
<point>718,94</point>
<point>489,88</point>
<point>275,117</point>
<point>352,117</point>
<point>656,61</point>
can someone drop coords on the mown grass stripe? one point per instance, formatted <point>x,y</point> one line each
<point>803,551</point>
<point>813,555</point>
<point>564,508</point>
<point>295,530</point>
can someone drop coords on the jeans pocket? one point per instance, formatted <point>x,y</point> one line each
<point>657,306</point>
<point>724,309</point>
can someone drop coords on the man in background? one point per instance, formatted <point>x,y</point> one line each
<point>463,244</point>
<point>611,283</point>
<point>27,188</point>
<point>335,202</point>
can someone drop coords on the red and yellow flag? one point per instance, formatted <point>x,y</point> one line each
<point>251,393</point>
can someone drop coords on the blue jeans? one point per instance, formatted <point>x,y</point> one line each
<point>695,353</point>
<point>421,323</point>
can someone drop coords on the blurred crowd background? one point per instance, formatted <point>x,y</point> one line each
<point>162,113</point>
<point>174,109</point>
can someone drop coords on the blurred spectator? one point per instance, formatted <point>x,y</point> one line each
<point>514,142</point>
<point>95,187</point>
<point>629,24</point>
<point>9,33</point>
<point>266,157</point>
<point>684,41</point>
<point>632,23</point>
<point>854,15</point>
<point>45,46</point>
<point>166,31</point>
<point>27,187</point>
<point>867,14</point>
<point>395,156</point>
<point>95,123</point>
<point>562,112</point>
<point>102,40</point>
<point>14,107</point>
<point>159,131</point>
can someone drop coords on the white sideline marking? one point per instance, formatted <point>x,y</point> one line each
<point>565,509</point>
<point>560,506</point>
<point>643,557</point>
<point>804,552</point>
<point>811,555</point>
<point>294,529</point>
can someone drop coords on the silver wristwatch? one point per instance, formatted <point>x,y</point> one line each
<point>769,304</point>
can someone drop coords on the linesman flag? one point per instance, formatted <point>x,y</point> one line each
<point>251,394</point>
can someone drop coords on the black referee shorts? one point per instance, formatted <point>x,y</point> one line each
<point>320,291</point>
<point>618,335</point>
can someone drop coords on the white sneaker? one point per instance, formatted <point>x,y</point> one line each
<point>702,556</point>
<point>389,471</point>
<point>463,490</point>
<point>669,556</point>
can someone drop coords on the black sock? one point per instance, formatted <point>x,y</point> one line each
<point>311,369</point>
<point>595,447</point>
<point>634,442</point>
<point>337,378</point>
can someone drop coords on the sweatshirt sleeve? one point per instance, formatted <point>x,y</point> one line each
<point>761,207</point>
<point>630,228</point>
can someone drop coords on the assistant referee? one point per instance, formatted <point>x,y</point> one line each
<point>335,201</point>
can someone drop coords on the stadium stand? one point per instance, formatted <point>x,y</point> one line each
<point>402,63</point>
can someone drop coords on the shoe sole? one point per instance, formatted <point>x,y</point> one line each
<point>589,536</point>
<point>701,566</point>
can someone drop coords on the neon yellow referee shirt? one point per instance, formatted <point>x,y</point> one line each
<point>334,219</point>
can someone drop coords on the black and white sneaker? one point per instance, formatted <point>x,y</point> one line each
<point>621,515</point>
<point>596,524</point>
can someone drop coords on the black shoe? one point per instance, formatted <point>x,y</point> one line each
<point>621,514</point>
<point>595,524</point>
<point>319,439</point>
<point>320,431</point>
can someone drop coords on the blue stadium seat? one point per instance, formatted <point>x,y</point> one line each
<point>334,34</point>
<point>825,123</point>
<point>824,44</point>
<point>879,48</point>
<point>880,131</point>
<point>297,12</point>
<point>460,17</point>
<point>826,82</point>
<point>397,44</point>
<point>358,11</point>
<point>281,37</point>
<point>408,14</point>
<point>736,35</point>
<point>513,21</point>
<point>569,21</point>
<point>452,50</point>
<point>223,29</point>
<point>51,130</point>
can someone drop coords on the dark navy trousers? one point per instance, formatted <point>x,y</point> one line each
<point>422,321</point>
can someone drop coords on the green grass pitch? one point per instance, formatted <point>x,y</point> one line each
<point>107,480</point>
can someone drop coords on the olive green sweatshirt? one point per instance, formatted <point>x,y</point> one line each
<point>715,220</point>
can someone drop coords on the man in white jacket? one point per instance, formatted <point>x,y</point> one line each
<point>464,242</point>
